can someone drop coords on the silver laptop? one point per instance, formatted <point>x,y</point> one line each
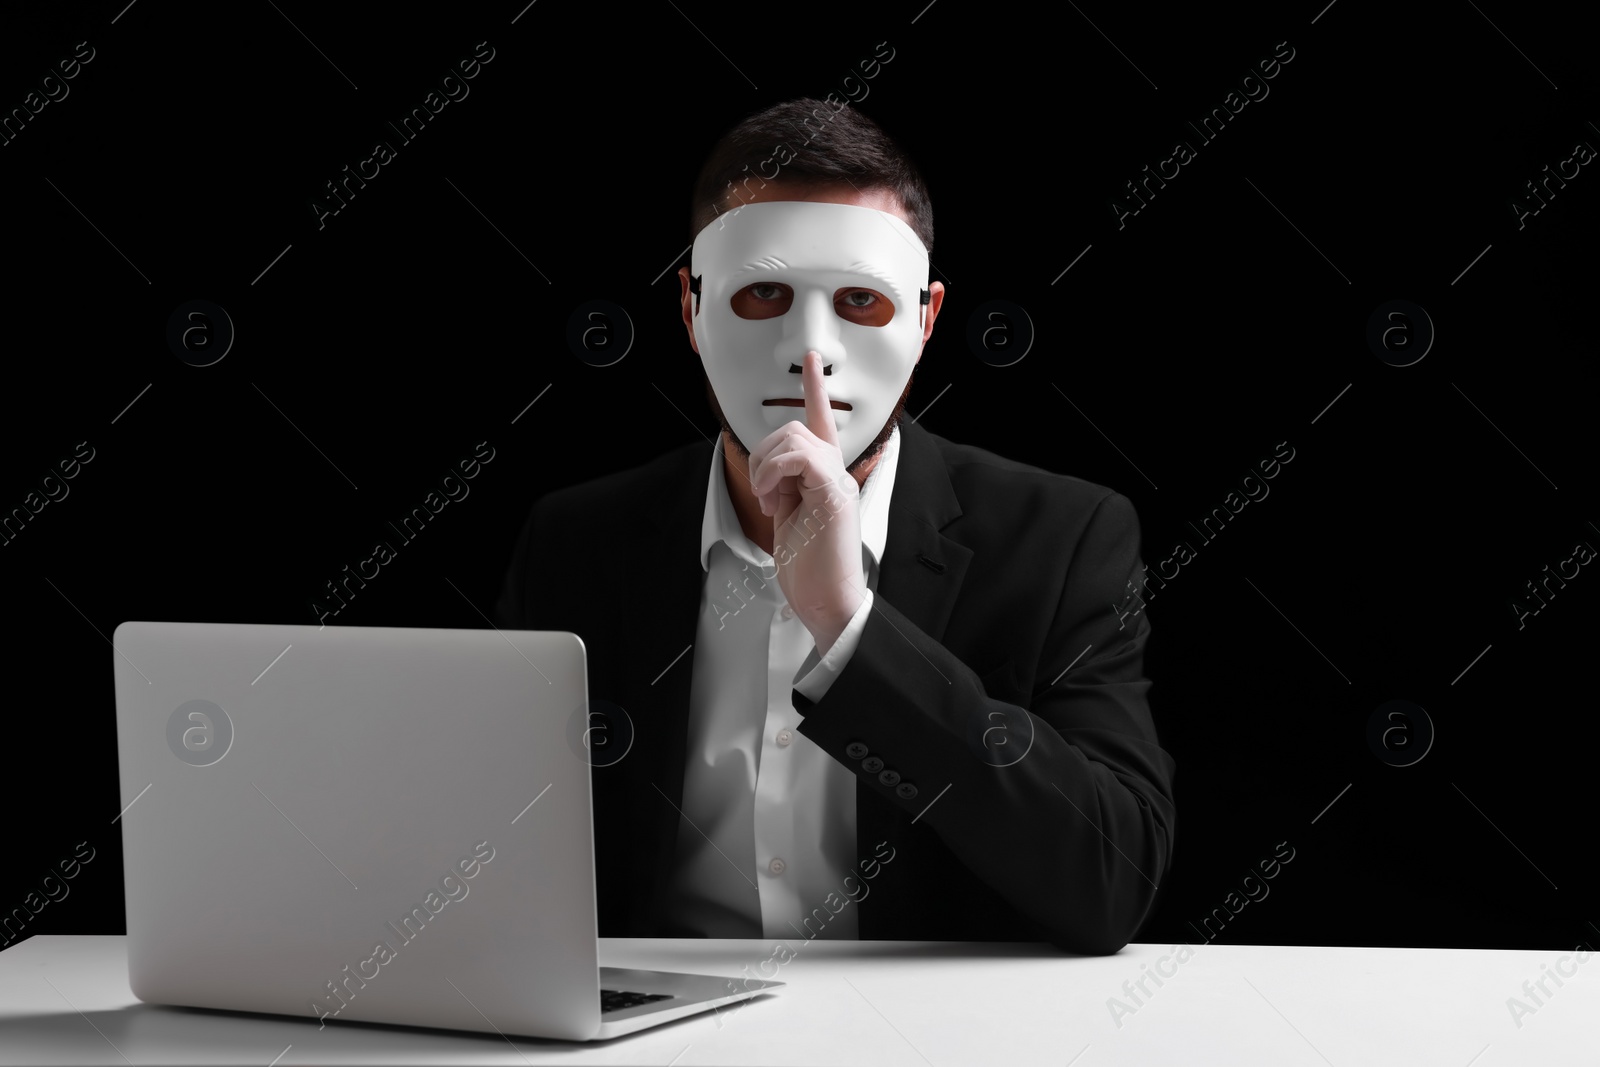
<point>371,823</point>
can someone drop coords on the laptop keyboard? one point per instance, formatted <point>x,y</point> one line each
<point>617,999</point>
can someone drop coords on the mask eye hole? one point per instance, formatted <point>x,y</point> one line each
<point>864,307</point>
<point>762,300</point>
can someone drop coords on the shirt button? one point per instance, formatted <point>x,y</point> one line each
<point>777,866</point>
<point>855,750</point>
<point>784,738</point>
<point>905,791</point>
<point>787,612</point>
<point>872,764</point>
<point>889,777</point>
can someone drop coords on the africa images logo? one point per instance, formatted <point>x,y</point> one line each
<point>199,732</point>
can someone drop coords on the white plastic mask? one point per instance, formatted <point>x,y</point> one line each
<point>824,255</point>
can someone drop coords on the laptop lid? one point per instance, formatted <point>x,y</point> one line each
<point>370,823</point>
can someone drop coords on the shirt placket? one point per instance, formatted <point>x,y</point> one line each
<point>779,775</point>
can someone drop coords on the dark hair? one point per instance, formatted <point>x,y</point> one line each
<point>809,142</point>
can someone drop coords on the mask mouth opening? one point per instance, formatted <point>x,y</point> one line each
<point>790,402</point>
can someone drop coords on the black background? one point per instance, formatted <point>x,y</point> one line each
<point>1221,320</point>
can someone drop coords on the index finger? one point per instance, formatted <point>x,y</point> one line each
<point>819,412</point>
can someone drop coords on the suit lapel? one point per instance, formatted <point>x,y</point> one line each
<point>678,584</point>
<point>922,570</point>
<point>921,574</point>
<point>638,799</point>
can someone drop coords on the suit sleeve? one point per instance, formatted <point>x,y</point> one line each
<point>1064,806</point>
<point>816,673</point>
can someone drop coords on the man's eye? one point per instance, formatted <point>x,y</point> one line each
<point>762,300</point>
<point>864,307</point>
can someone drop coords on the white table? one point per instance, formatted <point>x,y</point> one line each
<point>65,1000</point>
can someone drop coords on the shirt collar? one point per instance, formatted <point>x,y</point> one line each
<point>721,523</point>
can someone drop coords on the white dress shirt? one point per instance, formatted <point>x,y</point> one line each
<point>770,818</point>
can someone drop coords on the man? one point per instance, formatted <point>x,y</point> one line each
<point>913,708</point>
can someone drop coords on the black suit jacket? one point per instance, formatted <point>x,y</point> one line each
<point>996,676</point>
